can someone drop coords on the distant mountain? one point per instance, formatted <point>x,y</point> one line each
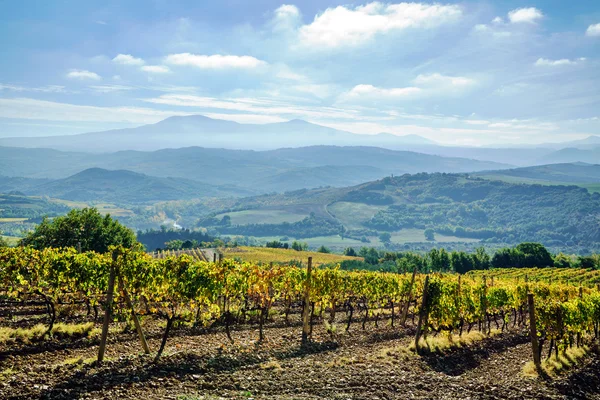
<point>121,186</point>
<point>198,130</point>
<point>17,184</point>
<point>252,172</point>
<point>552,173</point>
<point>586,143</point>
<point>572,155</point>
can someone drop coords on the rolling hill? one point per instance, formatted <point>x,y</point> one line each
<point>567,173</point>
<point>253,172</point>
<point>458,207</point>
<point>122,186</point>
<point>573,155</point>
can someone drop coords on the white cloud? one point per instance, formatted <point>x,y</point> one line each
<point>439,81</point>
<point>110,88</point>
<point>247,118</point>
<point>593,30</point>
<point>83,74</point>
<point>41,89</point>
<point>25,108</point>
<point>544,62</point>
<point>253,105</point>
<point>498,20</point>
<point>361,91</point>
<point>216,61</point>
<point>127,59</point>
<point>156,69</point>
<point>528,15</point>
<point>341,26</point>
<point>287,17</point>
<point>424,85</point>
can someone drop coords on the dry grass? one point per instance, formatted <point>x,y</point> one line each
<point>554,365</point>
<point>60,330</point>
<point>267,255</point>
<point>272,365</point>
<point>442,343</point>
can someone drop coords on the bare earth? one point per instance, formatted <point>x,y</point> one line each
<point>361,364</point>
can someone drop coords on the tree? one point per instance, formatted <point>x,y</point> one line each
<point>535,255</point>
<point>562,260</point>
<point>86,227</point>
<point>299,246</point>
<point>176,244</point>
<point>349,251</point>
<point>3,243</point>
<point>461,262</point>
<point>429,234</point>
<point>323,249</point>
<point>481,259</point>
<point>439,260</point>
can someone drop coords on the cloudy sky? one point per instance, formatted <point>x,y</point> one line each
<point>473,72</point>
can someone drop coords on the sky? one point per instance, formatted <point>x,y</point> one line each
<point>462,73</point>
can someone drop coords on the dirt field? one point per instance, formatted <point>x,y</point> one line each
<point>361,364</point>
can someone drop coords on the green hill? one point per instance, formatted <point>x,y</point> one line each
<point>458,207</point>
<point>121,186</point>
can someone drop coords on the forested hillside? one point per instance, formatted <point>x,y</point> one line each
<point>453,205</point>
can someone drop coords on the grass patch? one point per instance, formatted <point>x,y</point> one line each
<point>555,365</point>
<point>13,219</point>
<point>60,331</point>
<point>443,343</point>
<point>272,365</point>
<point>267,255</point>
<point>7,373</point>
<point>79,361</point>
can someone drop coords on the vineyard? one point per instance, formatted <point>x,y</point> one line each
<point>316,309</point>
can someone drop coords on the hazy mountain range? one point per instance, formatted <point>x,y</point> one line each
<point>201,131</point>
<point>231,172</point>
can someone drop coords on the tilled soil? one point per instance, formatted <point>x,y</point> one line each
<point>361,364</point>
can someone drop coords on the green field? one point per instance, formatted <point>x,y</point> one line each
<point>11,240</point>
<point>13,219</point>
<point>418,235</point>
<point>336,243</point>
<point>264,216</point>
<point>352,215</point>
<point>103,208</point>
<point>591,187</point>
<point>266,255</point>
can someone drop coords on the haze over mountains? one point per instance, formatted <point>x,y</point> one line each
<point>198,130</point>
<point>232,172</point>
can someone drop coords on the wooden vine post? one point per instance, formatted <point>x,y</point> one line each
<point>306,309</point>
<point>408,300</point>
<point>422,314</point>
<point>535,347</point>
<point>136,321</point>
<point>109,303</point>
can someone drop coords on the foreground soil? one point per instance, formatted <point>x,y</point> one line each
<point>362,364</point>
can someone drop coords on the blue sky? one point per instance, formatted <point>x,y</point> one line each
<point>473,72</point>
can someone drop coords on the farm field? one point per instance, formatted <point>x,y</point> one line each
<point>12,240</point>
<point>263,216</point>
<point>266,255</point>
<point>103,208</point>
<point>240,330</point>
<point>591,187</point>
<point>361,364</point>
<point>571,276</point>
<point>13,219</point>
